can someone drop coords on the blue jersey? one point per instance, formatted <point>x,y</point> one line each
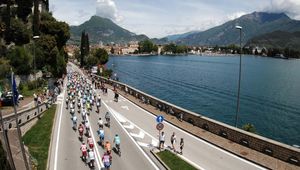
<point>117,140</point>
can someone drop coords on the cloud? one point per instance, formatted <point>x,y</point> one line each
<point>290,7</point>
<point>108,9</point>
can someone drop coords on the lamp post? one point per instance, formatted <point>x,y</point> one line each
<point>239,83</point>
<point>34,60</point>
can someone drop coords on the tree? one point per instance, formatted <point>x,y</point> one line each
<point>19,33</point>
<point>147,46</point>
<point>4,68</point>
<point>24,9</point>
<point>84,47</point>
<point>112,50</point>
<point>101,55</point>
<point>60,30</point>
<point>36,18</point>
<point>21,60</point>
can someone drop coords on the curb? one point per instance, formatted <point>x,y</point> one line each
<point>159,160</point>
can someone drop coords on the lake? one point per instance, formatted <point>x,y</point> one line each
<point>270,88</point>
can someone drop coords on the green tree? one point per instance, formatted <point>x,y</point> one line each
<point>19,33</point>
<point>101,55</point>
<point>60,30</point>
<point>4,165</point>
<point>21,60</point>
<point>147,46</point>
<point>84,47</point>
<point>24,9</point>
<point>36,18</point>
<point>4,68</point>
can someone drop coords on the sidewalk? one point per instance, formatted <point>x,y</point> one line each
<point>24,104</point>
<point>223,143</point>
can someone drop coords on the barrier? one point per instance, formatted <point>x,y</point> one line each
<point>261,144</point>
<point>24,116</point>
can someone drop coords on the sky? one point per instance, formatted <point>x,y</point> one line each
<point>159,18</point>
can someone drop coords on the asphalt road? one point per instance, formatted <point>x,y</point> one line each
<point>65,146</point>
<point>136,128</point>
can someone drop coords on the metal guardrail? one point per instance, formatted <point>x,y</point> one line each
<point>262,144</point>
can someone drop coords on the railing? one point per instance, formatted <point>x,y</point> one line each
<point>264,145</point>
<point>25,116</point>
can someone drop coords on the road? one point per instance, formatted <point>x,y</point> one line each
<point>65,147</point>
<point>136,128</point>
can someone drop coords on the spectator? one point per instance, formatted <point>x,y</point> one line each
<point>181,145</point>
<point>161,140</point>
<point>173,141</point>
<point>35,98</point>
<point>180,117</point>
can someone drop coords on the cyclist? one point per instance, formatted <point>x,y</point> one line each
<point>98,104</point>
<point>91,157</point>
<point>107,146</point>
<point>107,159</point>
<point>83,114</point>
<point>107,117</point>
<point>83,149</point>
<point>117,141</point>
<point>80,130</point>
<point>101,136</point>
<point>100,123</point>
<point>74,119</point>
<point>90,142</point>
<point>87,127</point>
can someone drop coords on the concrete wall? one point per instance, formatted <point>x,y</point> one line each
<point>267,146</point>
<point>24,116</point>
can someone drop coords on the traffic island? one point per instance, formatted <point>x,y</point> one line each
<point>38,138</point>
<point>171,161</point>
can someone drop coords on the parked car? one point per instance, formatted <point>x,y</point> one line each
<point>21,97</point>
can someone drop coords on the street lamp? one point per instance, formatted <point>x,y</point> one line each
<point>34,60</point>
<point>239,84</point>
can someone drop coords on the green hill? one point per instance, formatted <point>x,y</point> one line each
<point>254,24</point>
<point>277,39</point>
<point>103,29</point>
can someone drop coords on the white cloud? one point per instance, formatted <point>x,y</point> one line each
<point>290,7</point>
<point>108,9</point>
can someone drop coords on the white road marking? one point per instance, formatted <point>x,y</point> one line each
<point>154,142</point>
<point>140,135</point>
<point>217,148</point>
<point>125,107</point>
<point>58,133</point>
<point>143,152</point>
<point>130,126</point>
<point>144,144</point>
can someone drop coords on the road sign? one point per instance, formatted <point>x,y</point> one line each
<point>159,126</point>
<point>159,119</point>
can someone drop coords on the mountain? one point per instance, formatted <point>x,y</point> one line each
<point>254,24</point>
<point>179,36</point>
<point>103,29</point>
<point>277,39</point>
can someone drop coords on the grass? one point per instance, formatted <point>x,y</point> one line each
<point>174,162</point>
<point>38,138</point>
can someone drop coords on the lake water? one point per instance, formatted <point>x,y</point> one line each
<point>270,88</point>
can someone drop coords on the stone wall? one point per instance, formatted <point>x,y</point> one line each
<point>264,145</point>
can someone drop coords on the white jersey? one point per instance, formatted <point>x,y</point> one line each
<point>91,155</point>
<point>100,122</point>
